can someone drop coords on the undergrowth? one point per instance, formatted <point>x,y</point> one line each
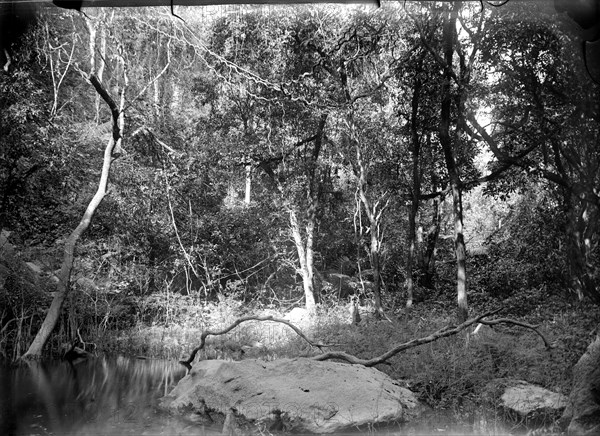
<point>454,376</point>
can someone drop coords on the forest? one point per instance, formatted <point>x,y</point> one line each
<point>372,175</point>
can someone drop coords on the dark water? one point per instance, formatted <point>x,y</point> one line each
<point>119,396</point>
<point>100,396</point>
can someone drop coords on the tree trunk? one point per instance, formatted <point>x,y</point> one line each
<point>416,195</point>
<point>581,229</point>
<point>305,249</point>
<point>449,37</point>
<point>375,216</point>
<point>248,184</point>
<point>100,72</point>
<point>305,256</point>
<point>374,260</point>
<point>410,255</point>
<point>35,349</point>
<point>461,254</point>
<point>428,258</point>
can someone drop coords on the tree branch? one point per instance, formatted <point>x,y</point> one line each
<point>441,333</point>
<point>381,359</point>
<point>206,333</point>
<point>548,345</point>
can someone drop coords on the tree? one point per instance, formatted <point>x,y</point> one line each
<point>357,68</point>
<point>117,105</point>
<point>550,130</point>
<point>112,151</point>
<point>449,138</point>
<point>420,119</point>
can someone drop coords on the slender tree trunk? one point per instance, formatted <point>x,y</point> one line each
<point>305,248</point>
<point>416,194</point>
<point>449,38</point>
<point>428,259</point>
<point>305,257</point>
<point>64,277</point>
<point>248,184</point>
<point>461,254</point>
<point>410,256</point>
<point>310,250</point>
<point>375,217</point>
<point>374,260</point>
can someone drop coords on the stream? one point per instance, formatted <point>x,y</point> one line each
<point>100,396</point>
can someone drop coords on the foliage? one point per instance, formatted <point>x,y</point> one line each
<point>232,105</point>
<point>514,266</point>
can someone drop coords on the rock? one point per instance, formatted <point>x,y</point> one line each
<point>582,414</point>
<point>525,399</point>
<point>292,395</point>
<point>530,404</point>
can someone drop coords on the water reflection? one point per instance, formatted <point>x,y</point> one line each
<point>100,396</point>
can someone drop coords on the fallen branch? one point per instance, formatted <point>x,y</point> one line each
<point>548,345</point>
<point>206,333</point>
<point>441,333</point>
<point>383,358</point>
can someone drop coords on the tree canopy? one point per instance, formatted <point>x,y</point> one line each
<point>261,152</point>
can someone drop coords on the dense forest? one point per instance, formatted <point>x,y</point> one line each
<point>392,169</point>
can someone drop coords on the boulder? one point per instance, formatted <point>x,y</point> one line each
<point>292,395</point>
<point>582,415</point>
<point>529,404</point>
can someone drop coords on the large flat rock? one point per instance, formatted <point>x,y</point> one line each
<point>293,395</point>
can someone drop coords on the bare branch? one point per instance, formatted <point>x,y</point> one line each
<point>206,333</point>
<point>155,78</point>
<point>520,324</point>
<point>442,333</point>
<point>383,358</point>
